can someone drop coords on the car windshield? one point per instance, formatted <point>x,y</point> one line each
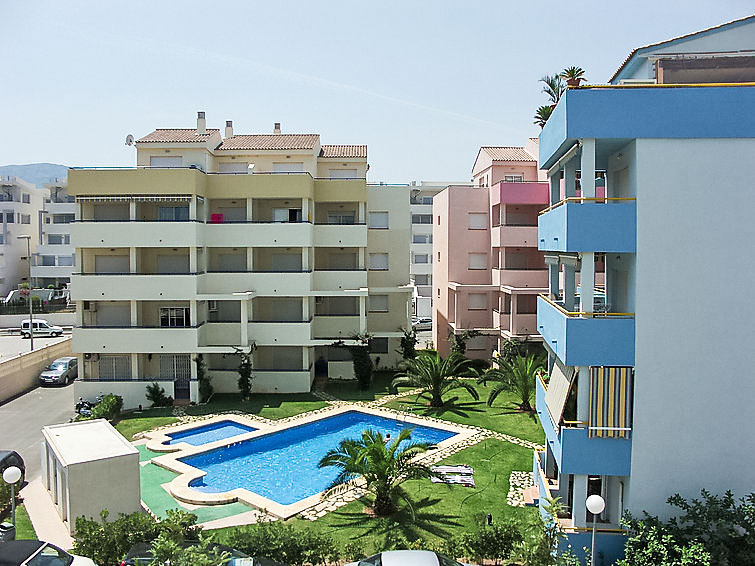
<point>62,366</point>
<point>51,556</point>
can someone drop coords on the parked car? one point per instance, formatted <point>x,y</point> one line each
<point>62,371</point>
<point>141,555</point>
<point>37,552</point>
<point>41,328</point>
<point>10,458</point>
<point>422,323</point>
<point>407,558</point>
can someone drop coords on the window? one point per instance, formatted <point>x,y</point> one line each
<point>47,260</point>
<point>478,221</point>
<point>233,167</point>
<point>288,167</point>
<point>422,239</point>
<point>513,178</point>
<point>378,303</point>
<point>478,261</point>
<point>340,217</point>
<point>172,213</point>
<point>65,260</point>
<point>438,256</point>
<point>427,200</point>
<point>379,220</point>
<point>10,218</point>
<point>342,173</point>
<point>212,306</point>
<point>379,345</point>
<point>379,262</point>
<point>422,280</point>
<point>26,219</point>
<point>175,366</point>
<point>114,367</point>
<point>421,258</point>
<point>25,198</point>
<point>171,317</point>
<point>477,301</point>
<point>439,220</point>
<point>422,218</point>
<point>62,218</point>
<point>165,162</point>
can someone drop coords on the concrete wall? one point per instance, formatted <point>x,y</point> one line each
<point>20,373</point>
<point>693,387</point>
<point>57,318</point>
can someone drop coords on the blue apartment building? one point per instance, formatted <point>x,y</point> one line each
<point>648,316</point>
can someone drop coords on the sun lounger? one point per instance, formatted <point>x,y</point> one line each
<point>466,481</point>
<point>464,470</point>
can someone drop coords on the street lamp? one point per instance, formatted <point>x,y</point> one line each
<point>595,504</point>
<point>31,312</point>
<point>11,475</point>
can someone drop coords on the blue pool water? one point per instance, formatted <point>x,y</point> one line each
<point>282,466</point>
<point>209,433</point>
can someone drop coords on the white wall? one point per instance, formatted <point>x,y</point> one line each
<point>694,389</point>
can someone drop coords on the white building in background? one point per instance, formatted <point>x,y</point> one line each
<point>214,243</point>
<point>421,247</point>
<point>20,203</point>
<point>54,255</point>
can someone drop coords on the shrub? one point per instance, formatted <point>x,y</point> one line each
<point>459,341</point>
<point>495,542</point>
<point>109,408</point>
<point>361,361</point>
<point>156,395</point>
<point>205,387</point>
<point>409,341</point>
<point>283,543</point>
<point>245,372</point>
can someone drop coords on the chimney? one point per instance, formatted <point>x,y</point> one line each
<point>228,128</point>
<point>201,124</point>
<point>277,128</point>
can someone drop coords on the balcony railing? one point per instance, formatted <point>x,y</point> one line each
<point>583,200</point>
<point>601,309</point>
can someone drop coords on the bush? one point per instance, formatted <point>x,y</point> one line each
<point>156,395</point>
<point>109,408</point>
<point>283,543</point>
<point>495,542</point>
<point>205,387</point>
<point>409,340</point>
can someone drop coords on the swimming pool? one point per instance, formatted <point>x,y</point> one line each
<point>205,434</point>
<point>282,466</point>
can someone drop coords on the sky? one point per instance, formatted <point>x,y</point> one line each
<point>423,83</point>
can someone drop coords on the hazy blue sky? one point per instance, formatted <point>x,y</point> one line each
<point>423,84</point>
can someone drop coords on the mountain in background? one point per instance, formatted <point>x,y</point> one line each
<point>37,173</point>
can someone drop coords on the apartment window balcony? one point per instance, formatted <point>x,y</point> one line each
<point>513,236</point>
<point>128,339</point>
<point>337,326</point>
<point>579,224</point>
<point>136,286</point>
<point>136,233</point>
<point>339,279</point>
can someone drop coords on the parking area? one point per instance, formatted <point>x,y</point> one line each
<point>12,345</point>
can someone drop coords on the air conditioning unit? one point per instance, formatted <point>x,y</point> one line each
<point>319,300</point>
<point>91,357</point>
<point>90,306</point>
<point>212,306</point>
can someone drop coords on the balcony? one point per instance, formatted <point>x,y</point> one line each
<point>589,225</point>
<point>339,280</point>
<point>340,235</point>
<point>513,236</point>
<point>575,452</point>
<point>60,208</point>
<point>536,278</point>
<point>247,234</point>
<point>128,181</point>
<point>340,190</point>
<point>263,283</point>
<point>280,333</point>
<point>336,326</point>
<point>51,271</point>
<point>124,234</point>
<point>139,287</point>
<point>220,334</point>
<point>519,193</point>
<point>129,339</point>
<point>261,185</point>
<point>586,339</point>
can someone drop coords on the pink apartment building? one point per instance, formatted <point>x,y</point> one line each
<point>488,272</point>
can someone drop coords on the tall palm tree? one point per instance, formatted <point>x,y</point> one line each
<point>383,465</point>
<point>515,376</point>
<point>436,376</point>
<point>542,114</point>
<point>554,87</point>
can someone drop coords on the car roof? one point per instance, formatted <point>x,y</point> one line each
<point>408,558</point>
<point>15,552</point>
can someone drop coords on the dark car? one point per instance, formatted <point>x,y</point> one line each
<point>10,458</point>
<point>38,553</point>
<point>141,555</point>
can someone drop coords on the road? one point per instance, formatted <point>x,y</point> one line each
<point>12,345</point>
<point>22,419</point>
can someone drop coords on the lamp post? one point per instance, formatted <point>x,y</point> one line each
<point>31,310</point>
<point>11,475</point>
<point>595,504</point>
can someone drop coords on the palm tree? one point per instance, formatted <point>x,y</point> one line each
<point>554,87</point>
<point>383,465</point>
<point>573,75</point>
<point>516,376</point>
<point>542,115</point>
<point>436,376</point>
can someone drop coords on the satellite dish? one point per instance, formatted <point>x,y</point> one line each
<point>129,139</point>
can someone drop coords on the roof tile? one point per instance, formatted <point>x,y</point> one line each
<point>177,135</point>
<point>508,153</point>
<point>270,141</point>
<point>345,151</point>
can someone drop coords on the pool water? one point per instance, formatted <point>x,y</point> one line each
<point>282,466</point>
<point>209,433</point>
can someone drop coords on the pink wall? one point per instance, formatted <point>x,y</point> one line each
<point>520,193</point>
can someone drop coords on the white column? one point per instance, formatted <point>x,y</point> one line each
<point>134,366</point>
<point>362,214</point>
<point>193,312</point>
<point>579,512</point>
<point>193,259</point>
<point>249,208</point>
<point>587,180</point>
<point>244,322</point>
<point>134,313</point>
<point>570,176</point>
<point>305,357</point>
<point>587,281</point>
<point>553,283</point>
<point>360,259</point>
<point>305,308</point>
<point>583,394</point>
<point>193,208</point>
<point>250,259</point>
<point>132,210</point>
<point>305,258</point>
<point>512,315</point>
<point>569,287</point>
<point>362,314</point>
<point>77,210</point>
<point>305,209</point>
<point>132,260</point>
<point>555,181</point>
<point>80,314</point>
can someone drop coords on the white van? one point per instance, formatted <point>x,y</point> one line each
<point>41,328</point>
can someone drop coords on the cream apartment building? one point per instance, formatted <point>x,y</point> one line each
<point>219,242</point>
<point>54,253</point>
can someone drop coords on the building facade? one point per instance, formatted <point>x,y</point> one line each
<point>20,203</point>
<point>266,242</point>
<point>488,270</point>
<point>632,375</point>
<point>54,253</point>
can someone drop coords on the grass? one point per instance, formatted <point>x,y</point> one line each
<point>441,510</point>
<point>24,528</point>
<point>348,390</point>
<point>270,406</point>
<point>462,408</point>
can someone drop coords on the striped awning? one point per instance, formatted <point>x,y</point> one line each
<point>559,384</point>
<point>611,402</point>
<point>135,198</point>
<point>102,198</point>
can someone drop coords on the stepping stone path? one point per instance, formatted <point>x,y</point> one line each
<point>518,483</point>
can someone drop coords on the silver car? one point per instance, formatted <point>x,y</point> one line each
<point>406,558</point>
<point>60,372</point>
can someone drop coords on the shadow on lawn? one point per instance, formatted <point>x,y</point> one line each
<point>453,406</point>
<point>424,521</point>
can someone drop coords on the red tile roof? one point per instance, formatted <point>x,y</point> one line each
<point>508,153</point>
<point>177,135</point>
<point>345,151</point>
<point>270,141</point>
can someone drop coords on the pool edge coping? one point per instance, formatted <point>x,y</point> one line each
<point>156,440</point>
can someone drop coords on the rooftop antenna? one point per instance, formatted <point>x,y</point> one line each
<point>130,139</point>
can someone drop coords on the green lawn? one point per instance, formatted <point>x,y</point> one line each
<point>24,528</point>
<point>128,426</point>
<point>441,510</point>
<point>461,408</point>
<point>348,390</point>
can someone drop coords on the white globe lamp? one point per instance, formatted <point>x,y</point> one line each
<point>11,475</point>
<point>595,504</point>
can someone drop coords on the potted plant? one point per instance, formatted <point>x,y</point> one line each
<point>573,75</point>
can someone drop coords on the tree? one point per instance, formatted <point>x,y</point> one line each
<point>245,371</point>
<point>459,341</point>
<point>436,376</point>
<point>512,348</point>
<point>540,541</point>
<point>554,87</point>
<point>409,340</point>
<point>360,359</point>
<point>517,376</point>
<point>653,544</point>
<point>542,114</point>
<point>205,386</point>
<point>383,465</point>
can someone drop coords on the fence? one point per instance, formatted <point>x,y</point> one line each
<point>20,373</point>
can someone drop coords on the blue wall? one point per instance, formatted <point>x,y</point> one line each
<point>589,227</point>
